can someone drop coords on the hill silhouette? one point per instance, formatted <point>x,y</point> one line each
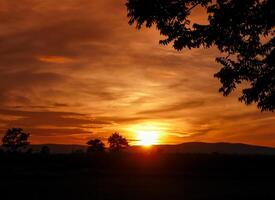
<point>221,147</point>
<point>169,172</point>
<point>188,147</point>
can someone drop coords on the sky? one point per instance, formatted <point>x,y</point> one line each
<point>73,70</point>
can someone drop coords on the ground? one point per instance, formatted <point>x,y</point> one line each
<point>132,176</point>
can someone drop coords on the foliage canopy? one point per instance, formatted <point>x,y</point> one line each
<point>242,30</point>
<point>14,139</point>
<point>95,145</point>
<point>117,142</point>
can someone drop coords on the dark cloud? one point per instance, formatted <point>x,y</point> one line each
<point>51,132</point>
<point>48,118</point>
<point>176,107</point>
<point>18,88</point>
<point>60,105</point>
<point>252,115</point>
<point>122,120</point>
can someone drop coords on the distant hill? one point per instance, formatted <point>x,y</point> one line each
<point>224,148</point>
<point>60,148</point>
<point>189,147</point>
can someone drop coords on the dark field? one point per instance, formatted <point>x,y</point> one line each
<point>137,176</point>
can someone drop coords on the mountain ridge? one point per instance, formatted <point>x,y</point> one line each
<point>188,147</point>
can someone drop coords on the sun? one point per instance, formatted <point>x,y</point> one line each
<point>147,133</point>
<point>147,138</point>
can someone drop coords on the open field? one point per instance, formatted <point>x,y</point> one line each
<point>137,176</point>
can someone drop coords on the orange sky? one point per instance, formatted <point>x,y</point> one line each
<point>72,70</point>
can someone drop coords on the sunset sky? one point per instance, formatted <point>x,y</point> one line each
<point>72,70</point>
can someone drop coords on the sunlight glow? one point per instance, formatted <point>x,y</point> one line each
<point>147,138</point>
<point>148,133</point>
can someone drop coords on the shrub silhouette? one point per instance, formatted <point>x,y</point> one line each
<point>29,151</point>
<point>45,150</point>
<point>117,142</point>
<point>95,145</point>
<point>14,139</point>
<point>241,29</point>
<point>77,152</point>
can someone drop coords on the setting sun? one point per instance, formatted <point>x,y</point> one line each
<point>148,133</point>
<point>147,138</point>
<point>137,99</point>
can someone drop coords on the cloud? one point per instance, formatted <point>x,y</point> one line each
<point>176,107</point>
<point>54,59</point>
<point>50,119</point>
<point>77,67</point>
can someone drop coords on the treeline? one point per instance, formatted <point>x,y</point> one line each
<point>16,140</point>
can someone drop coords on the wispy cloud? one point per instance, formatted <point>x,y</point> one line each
<point>70,70</point>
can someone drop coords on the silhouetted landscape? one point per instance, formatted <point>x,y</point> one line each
<point>137,176</point>
<point>217,170</point>
<point>137,99</point>
<point>188,147</point>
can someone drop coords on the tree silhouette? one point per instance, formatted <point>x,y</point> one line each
<point>243,30</point>
<point>117,142</point>
<point>14,139</point>
<point>95,145</point>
